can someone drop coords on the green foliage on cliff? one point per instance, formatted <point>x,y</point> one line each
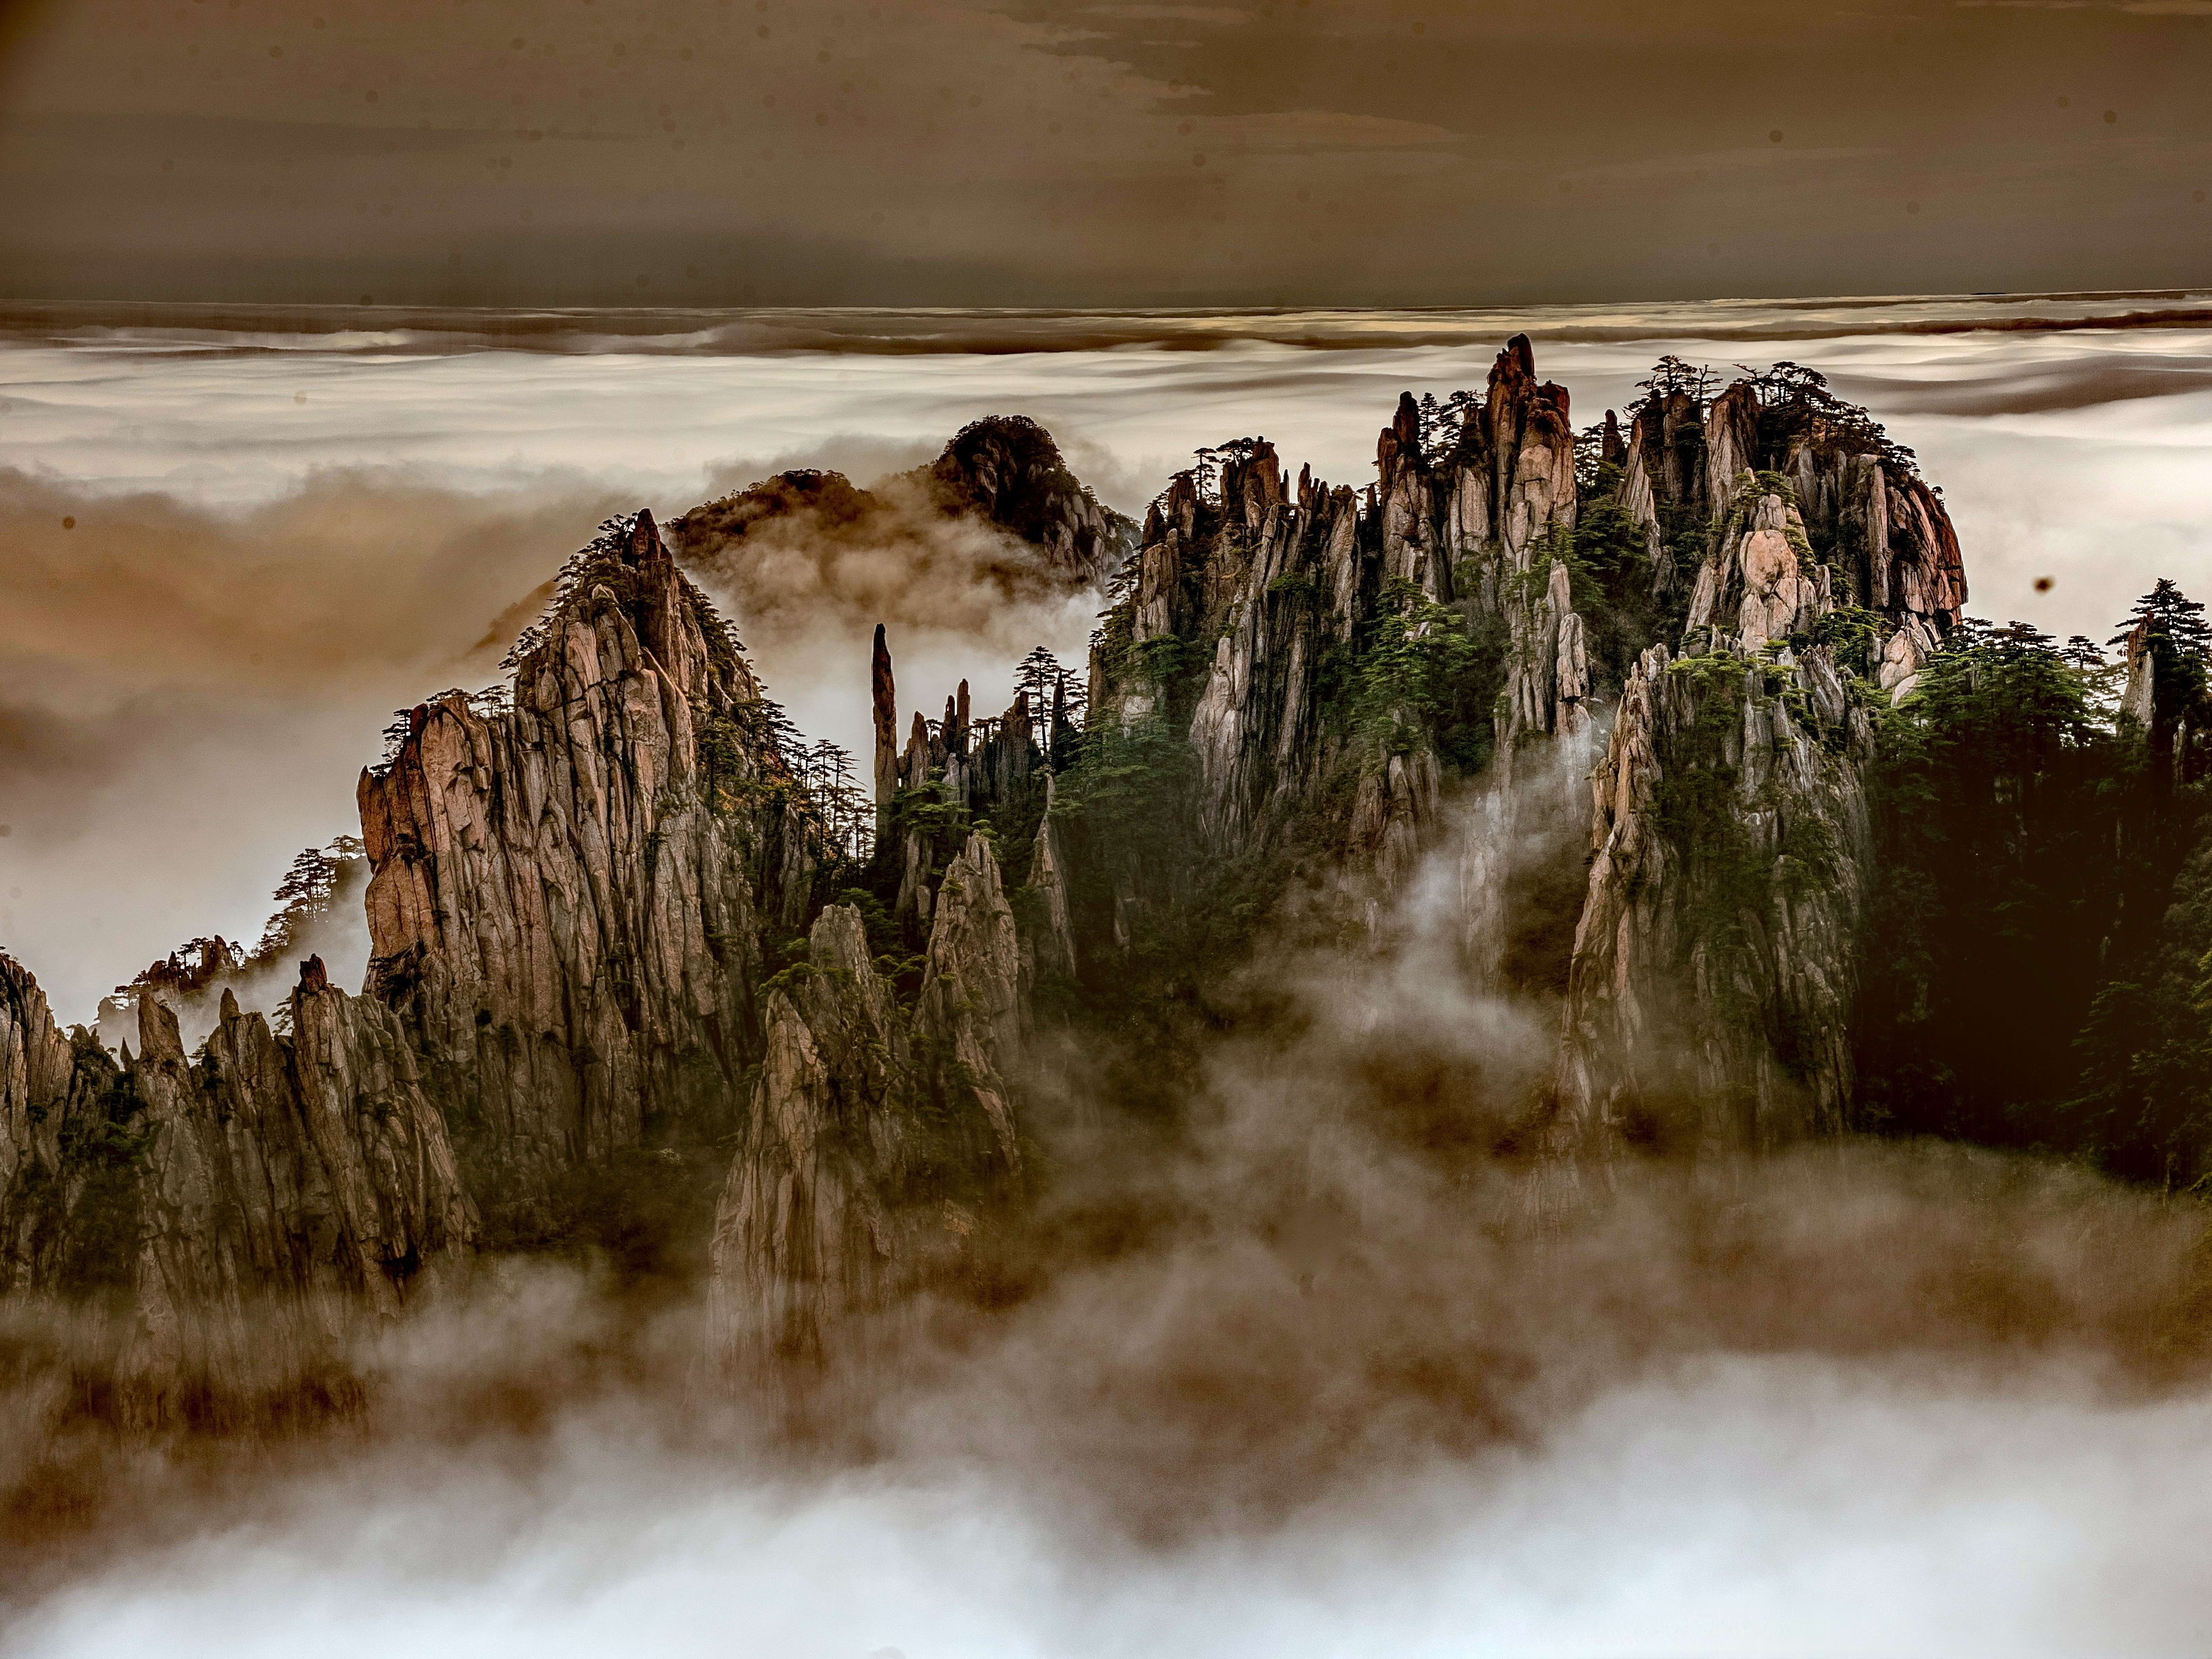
<point>1409,685</point>
<point>1610,579</point>
<point>2178,640</point>
<point>2035,967</point>
<point>2145,1047</point>
<point>1853,636</point>
<point>1698,807</point>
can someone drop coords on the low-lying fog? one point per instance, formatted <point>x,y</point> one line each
<point>1307,1374</point>
<point>1750,1506</point>
<point>275,539</point>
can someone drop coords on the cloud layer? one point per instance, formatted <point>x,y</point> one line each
<point>1286,1371</point>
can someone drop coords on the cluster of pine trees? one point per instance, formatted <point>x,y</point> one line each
<point>2038,961</point>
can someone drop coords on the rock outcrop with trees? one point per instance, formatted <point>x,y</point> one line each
<point>1677,725</point>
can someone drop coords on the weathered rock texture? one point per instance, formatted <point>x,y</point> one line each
<point>959,769</point>
<point>47,1086</point>
<point>1251,599</point>
<point>1710,992</point>
<point>289,1184</point>
<point>573,892</point>
<point>1711,988</point>
<point>568,893</point>
<point>251,1206</point>
<point>811,1220</point>
<point>876,1136</point>
<point>577,890</point>
<point>1793,567</point>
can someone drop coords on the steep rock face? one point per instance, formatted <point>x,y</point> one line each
<point>1662,474</point>
<point>1052,942</point>
<point>809,1222</point>
<point>1502,504</point>
<point>1274,573</point>
<point>957,769</point>
<point>298,1181</point>
<point>1864,511</point>
<point>570,894</point>
<point>566,895</point>
<point>877,1141</point>
<point>1710,990</point>
<point>42,1090</point>
<point>1253,606</point>
<point>247,1206</point>
<point>1712,985</point>
<point>883,698</point>
<point>1798,568</point>
<point>971,992</point>
<point>1761,582</point>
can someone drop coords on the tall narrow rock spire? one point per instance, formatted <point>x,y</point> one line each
<point>885,694</point>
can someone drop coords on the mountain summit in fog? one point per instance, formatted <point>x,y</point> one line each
<point>1585,804</point>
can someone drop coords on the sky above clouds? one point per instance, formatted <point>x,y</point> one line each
<point>905,152</point>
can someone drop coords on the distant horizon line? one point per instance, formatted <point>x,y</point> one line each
<point>757,329</point>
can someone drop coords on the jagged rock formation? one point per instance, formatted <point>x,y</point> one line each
<point>1712,985</point>
<point>285,1186</point>
<point>1778,555</point>
<point>583,894</point>
<point>876,1135</point>
<point>47,1084</point>
<point>1288,589</point>
<point>971,1002</point>
<point>313,899</point>
<point>575,892</point>
<point>568,893</point>
<point>1861,512</point>
<point>960,768</point>
<point>1261,574</point>
<point>573,898</point>
<point>810,1220</point>
<point>883,698</point>
<point>248,1205</point>
<point>1710,990</point>
<point>1051,942</point>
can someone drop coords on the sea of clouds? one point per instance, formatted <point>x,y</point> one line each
<point>1313,1366</point>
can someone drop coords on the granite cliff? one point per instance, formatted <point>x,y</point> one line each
<point>1700,623</point>
<point>605,964</point>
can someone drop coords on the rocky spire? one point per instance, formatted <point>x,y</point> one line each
<point>281,1190</point>
<point>563,911</point>
<point>883,699</point>
<point>865,1123</point>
